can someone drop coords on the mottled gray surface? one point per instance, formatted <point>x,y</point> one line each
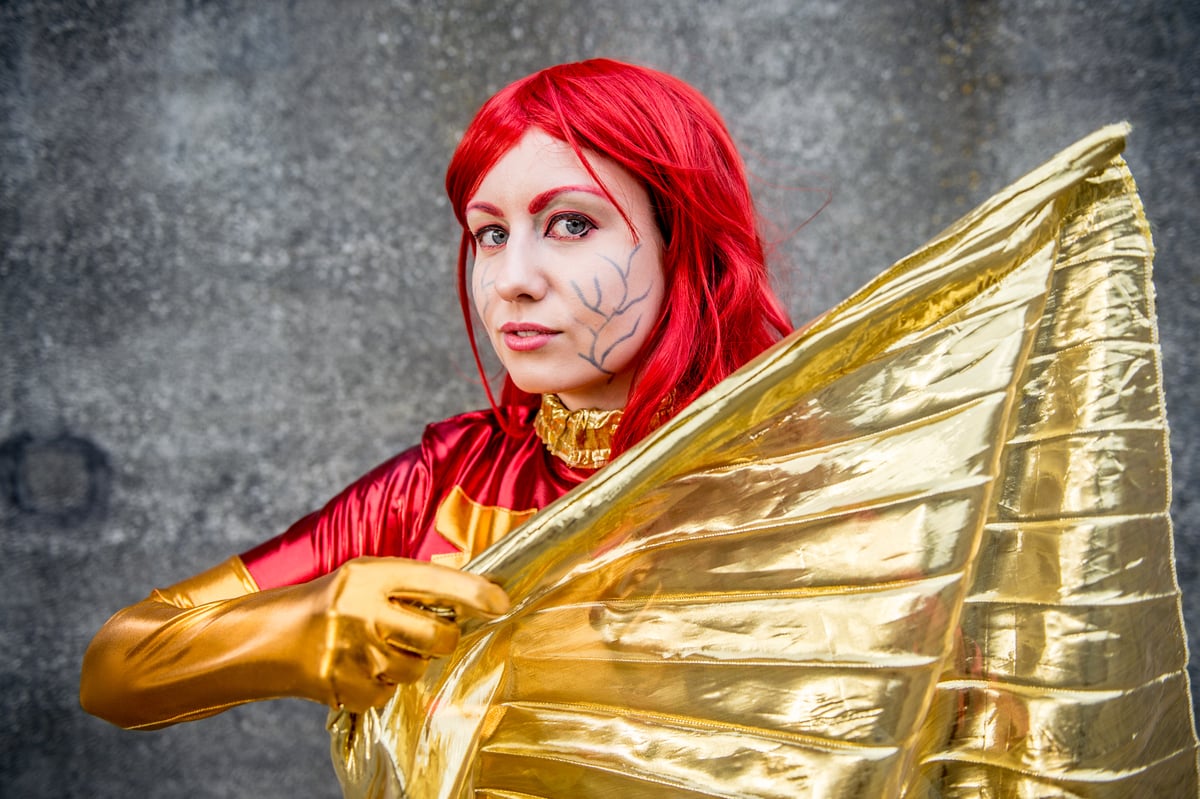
<point>225,286</point>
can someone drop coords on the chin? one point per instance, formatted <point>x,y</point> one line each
<point>537,386</point>
<point>600,394</point>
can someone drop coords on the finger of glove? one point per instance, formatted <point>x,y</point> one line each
<point>407,629</point>
<point>390,666</point>
<point>357,690</point>
<point>434,585</point>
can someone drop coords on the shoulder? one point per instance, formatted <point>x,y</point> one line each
<point>451,444</point>
<point>480,427</point>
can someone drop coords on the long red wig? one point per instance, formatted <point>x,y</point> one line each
<point>720,310</point>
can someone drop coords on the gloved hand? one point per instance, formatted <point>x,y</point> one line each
<point>214,641</point>
<point>375,622</point>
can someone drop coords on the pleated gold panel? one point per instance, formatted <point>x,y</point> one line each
<point>919,550</point>
<point>1070,680</point>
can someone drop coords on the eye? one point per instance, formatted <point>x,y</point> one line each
<point>491,237</point>
<point>570,226</point>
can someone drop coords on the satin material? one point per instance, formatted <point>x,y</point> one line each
<point>224,581</point>
<point>198,648</point>
<point>921,549</point>
<point>464,468</point>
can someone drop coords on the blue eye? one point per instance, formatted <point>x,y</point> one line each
<point>491,236</point>
<point>570,226</point>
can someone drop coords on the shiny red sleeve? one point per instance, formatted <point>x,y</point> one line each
<point>393,510</point>
<point>372,516</point>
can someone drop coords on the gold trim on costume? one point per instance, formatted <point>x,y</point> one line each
<point>226,580</point>
<point>472,526</point>
<point>581,438</point>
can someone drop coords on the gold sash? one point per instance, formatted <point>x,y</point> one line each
<point>919,550</point>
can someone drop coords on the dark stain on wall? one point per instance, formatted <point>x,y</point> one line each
<point>65,478</point>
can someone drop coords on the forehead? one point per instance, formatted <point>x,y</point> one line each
<point>539,162</point>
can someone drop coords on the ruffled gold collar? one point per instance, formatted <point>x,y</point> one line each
<point>581,438</point>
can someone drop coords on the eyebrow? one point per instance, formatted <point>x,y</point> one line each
<point>537,203</point>
<point>542,200</point>
<point>487,208</point>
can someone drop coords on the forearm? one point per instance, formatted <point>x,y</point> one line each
<point>198,648</point>
<point>346,638</point>
<point>154,664</point>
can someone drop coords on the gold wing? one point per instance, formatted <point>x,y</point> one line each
<point>920,550</point>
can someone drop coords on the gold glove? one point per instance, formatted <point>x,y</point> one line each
<point>214,640</point>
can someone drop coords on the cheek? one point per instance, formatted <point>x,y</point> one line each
<point>478,284</point>
<point>652,279</point>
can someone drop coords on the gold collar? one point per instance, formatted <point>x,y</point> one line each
<point>581,438</point>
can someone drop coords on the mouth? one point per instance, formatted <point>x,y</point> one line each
<point>525,327</point>
<point>526,336</point>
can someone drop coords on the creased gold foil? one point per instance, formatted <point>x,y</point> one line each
<point>919,550</point>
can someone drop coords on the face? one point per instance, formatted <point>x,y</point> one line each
<point>567,292</point>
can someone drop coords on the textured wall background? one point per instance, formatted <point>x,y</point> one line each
<point>225,286</point>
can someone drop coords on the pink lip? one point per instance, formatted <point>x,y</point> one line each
<point>526,336</point>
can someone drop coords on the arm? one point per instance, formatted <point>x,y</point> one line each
<point>214,640</point>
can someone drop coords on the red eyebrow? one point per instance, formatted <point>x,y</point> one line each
<point>487,208</point>
<point>542,200</point>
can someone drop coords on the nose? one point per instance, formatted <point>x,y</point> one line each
<point>518,275</point>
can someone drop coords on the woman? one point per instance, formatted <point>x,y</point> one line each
<point>618,272</point>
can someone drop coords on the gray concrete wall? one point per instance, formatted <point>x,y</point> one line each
<point>225,285</point>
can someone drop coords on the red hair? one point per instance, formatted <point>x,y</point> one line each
<point>719,310</point>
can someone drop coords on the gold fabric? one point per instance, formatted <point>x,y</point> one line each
<point>920,549</point>
<point>224,581</point>
<point>473,527</point>
<point>580,438</point>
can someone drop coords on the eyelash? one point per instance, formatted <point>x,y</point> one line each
<point>550,225</point>
<point>570,217</point>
